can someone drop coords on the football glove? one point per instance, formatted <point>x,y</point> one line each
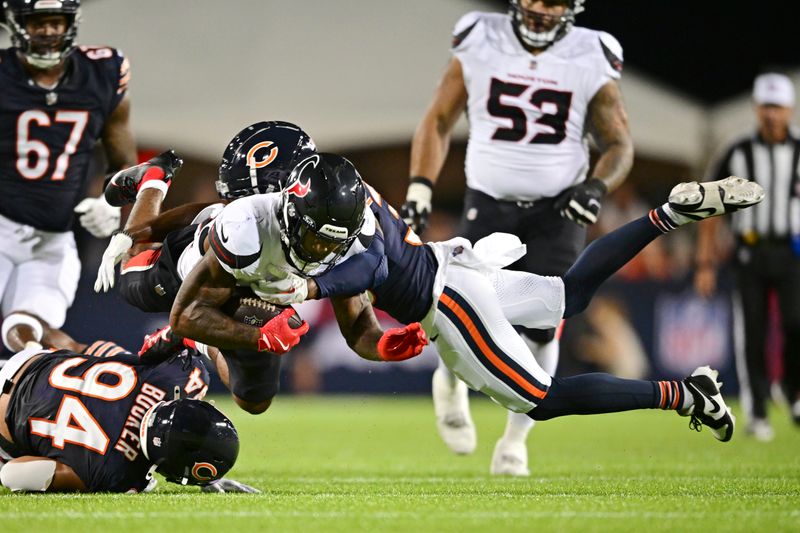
<point>417,208</point>
<point>399,344</point>
<point>98,217</point>
<point>288,289</point>
<point>163,344</point>
<point>277,336</point>
<point>581,203</point>
<point>117,246</point>
<point>224,485</point>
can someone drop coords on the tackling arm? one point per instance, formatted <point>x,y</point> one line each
<point>156,230</point>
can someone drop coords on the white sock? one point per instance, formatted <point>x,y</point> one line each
<point>674,216</point>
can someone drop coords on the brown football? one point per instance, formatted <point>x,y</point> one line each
<point>247,308</point>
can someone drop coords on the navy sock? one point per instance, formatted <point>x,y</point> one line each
<point>589,394</point>
<point>608,254</point>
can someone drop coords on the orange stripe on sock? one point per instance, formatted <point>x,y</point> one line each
<point>677,395</point>
<point>487,352</point>
<point>663,395</point>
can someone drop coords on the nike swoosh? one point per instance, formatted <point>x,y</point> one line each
<point>284,346</point>
<point>716,406</point>
<point>222,233</point>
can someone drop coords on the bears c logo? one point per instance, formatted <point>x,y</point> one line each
<point>211,469</point>
<point>269,158</point>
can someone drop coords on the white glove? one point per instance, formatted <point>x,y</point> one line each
<point>224,485</point>
<point>117,246</point>
<point>97,217</point>
<point>286,290</point>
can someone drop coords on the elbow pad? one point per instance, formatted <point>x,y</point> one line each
<point>29,476</point>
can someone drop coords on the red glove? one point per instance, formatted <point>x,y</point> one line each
<point>163,344</point>
<point>399,344</point>
<point>277,336</point>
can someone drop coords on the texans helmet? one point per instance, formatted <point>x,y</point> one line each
<point>189,441</point>
<point>42,51</point>
<point>526,21</point>
<point>260,158</point>
<point>322,211</point>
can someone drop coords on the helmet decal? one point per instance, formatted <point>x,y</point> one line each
<point>269,158</point>
<point>299,188</point>
<point>212,470</point>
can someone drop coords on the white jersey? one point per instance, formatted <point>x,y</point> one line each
<point>246,239</point>
<point>194,251</point>
<point>527,113</point>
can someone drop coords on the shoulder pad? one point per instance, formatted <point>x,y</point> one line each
<point>612,51</point>
<point>234,236</point>
<point>464,27</point>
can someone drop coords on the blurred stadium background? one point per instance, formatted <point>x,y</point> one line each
<point>358,75</point>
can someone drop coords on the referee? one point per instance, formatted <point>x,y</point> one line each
<point>767,250</point>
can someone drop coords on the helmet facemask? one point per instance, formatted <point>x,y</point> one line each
<point>46,51</point>
<point>550,28</point>
<point>308,247</point>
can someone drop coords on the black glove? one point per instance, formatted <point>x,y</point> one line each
<point>581,203</point>
<point>121,188</point>
<point>163,344</point>
<point>417,207</point>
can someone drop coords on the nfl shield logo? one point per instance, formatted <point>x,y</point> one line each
<point>51,98</point>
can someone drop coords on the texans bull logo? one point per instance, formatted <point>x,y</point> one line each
<point>299,188</point>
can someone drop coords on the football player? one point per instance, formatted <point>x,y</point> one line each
<point>325,192</point>
<point>533,87</point>
<point>56,101</point>
<point>464,298</point>
<point>103,420</point>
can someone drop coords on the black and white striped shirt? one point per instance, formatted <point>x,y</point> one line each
<point>774,167</point>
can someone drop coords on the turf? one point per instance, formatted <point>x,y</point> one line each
<point>376,464</point>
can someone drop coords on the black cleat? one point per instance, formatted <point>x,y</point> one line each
<point>709,408</point>
<point>122,187</point>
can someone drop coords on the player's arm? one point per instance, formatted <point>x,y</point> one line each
<point>156,230</point>
<point>431,143</point>
<point>609,122</point>
<point>40,474</point>
<point>118,142</point>
<point>364,335</point>
<point>196,312</point>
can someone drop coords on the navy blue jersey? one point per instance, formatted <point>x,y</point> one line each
<point>407,292</point>
<point>47,135</point>
<point>85,412</point>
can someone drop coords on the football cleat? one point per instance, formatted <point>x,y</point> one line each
<point>760,429</point>
<point>122,187</point>
<point>714,198</point>
<point>709,408</point>
<point>510,458</point>
<point>453,420</point>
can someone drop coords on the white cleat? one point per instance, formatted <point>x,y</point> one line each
<point>709,408</point>
<point>714,198</point>
<point>510,458</point>
<point>451,405</point>
<point>760,429</point>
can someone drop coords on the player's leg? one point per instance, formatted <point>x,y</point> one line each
<point>40,291</point>
<point>253,378</point>
<point>555,242</point>
<point>789,298</point>
<point>482,215</point>
<point>688,202</point>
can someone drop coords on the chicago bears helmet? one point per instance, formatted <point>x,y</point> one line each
<point>323,206</point>
<point>42,52</point>
<point>260,158</point>
<point>189,441</point>
<point>539,30</point>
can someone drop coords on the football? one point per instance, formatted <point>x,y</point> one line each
<point>247,308</point>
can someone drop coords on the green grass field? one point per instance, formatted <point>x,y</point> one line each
<point>376,464</point>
